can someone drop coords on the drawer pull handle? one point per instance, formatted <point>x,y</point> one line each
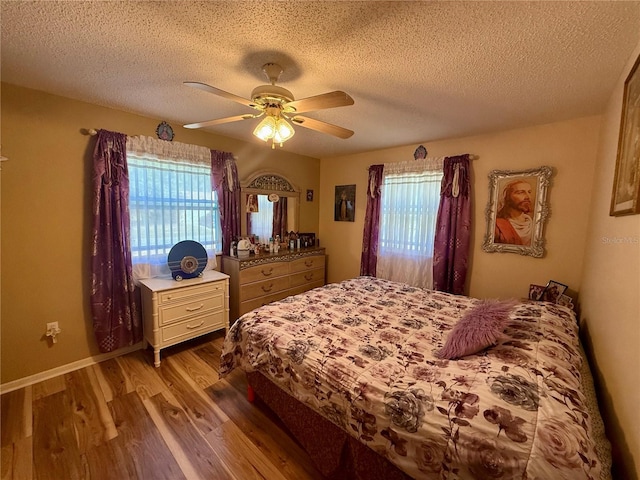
<point>266,290</point>
<point>308,277</point>
<point>191,327</point>
<point>267,273</point>
<point>194,309</point>
<point>308,263</point>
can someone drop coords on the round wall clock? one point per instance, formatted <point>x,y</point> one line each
<point>164,131</point>
<point>273,197</point>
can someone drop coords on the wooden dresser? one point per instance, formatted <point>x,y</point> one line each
<point>261,279</point>
<point>177,311</point>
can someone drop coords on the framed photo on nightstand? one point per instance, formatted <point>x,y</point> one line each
<point>553,291</point>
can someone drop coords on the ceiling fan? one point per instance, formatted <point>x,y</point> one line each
<point>278,105</point>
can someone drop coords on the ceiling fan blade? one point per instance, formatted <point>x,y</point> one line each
<point>320,102</point>
<point>322,126</point>
<point>221,120</point>
<point>221,93</point>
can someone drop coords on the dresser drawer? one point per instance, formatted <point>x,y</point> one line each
<point>306,287</point>
<point>264,272</point>
<point>174,313</point>
<point>307,263</point>
<point>180,294</point>
<point>193,327</point>
<point>259,302</point>
<point>310,276</point>
<point>266,287</point>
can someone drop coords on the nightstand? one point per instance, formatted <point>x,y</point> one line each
<point>177,311</point>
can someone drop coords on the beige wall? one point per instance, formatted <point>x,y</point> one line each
<point>45,217</point>
<point>610,298</point>
<point>569,147</point>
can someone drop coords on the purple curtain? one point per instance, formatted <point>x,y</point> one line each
<point>114,308</point>
<point>224,180</point>
<point>453,227</point>
<point>371,232</point>
<point>280,218</point>
<point>249,224</point>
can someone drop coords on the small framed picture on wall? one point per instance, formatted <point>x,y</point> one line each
<point>345,203</point>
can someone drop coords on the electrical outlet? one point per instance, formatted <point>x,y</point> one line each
<point>53,330</point>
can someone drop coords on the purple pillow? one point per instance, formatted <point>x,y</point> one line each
<point>479,328</point>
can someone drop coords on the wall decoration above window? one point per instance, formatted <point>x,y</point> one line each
<point>517,211</point>
<point>420,153</point>
<point>164,131</point>
<point>626,183</point>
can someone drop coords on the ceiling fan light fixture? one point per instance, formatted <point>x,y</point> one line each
<point>284,131</point>
<point>276,129</point>
<point>266,129</point>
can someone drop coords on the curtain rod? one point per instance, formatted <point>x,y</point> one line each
<point>471,157</point>
<point>93,132</point>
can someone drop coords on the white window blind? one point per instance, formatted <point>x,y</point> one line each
<point>170,200</point>
<point>409,207</point>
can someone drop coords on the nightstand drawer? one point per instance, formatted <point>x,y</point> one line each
<point>193,327</point>
<point>310,276</point>
<point>264,272</point>
<point>181,294</point>
<point>307,263</point>
<point>260,289</point>
<point>197,306</point>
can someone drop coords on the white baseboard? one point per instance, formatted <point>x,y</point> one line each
<point>69,367</point>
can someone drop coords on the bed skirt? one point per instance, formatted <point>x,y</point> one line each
<point>336,454</point>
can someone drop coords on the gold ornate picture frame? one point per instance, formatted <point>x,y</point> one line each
<point>626,181</point>
<point>517,211</point>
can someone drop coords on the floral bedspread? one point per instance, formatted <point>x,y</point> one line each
<point>361,353</point>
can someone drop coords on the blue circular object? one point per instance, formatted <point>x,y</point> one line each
<point>187,259</point>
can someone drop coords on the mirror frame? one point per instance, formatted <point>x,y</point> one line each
<point>265,182</point>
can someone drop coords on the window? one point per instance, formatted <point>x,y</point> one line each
<point>170,201</point>
<point>409,207</point>
<point>260,223</point>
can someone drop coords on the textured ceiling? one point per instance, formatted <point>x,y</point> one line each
<point>418,71</point>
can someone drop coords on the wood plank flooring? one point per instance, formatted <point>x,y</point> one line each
<point>125,419</point>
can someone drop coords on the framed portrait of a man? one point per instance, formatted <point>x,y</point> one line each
<point>517,211</point>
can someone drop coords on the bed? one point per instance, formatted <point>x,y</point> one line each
<point>353,369</point>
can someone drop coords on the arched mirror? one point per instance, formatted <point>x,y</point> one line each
<point>270,203</point>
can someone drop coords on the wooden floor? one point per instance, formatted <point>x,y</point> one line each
<point>125,419</point>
